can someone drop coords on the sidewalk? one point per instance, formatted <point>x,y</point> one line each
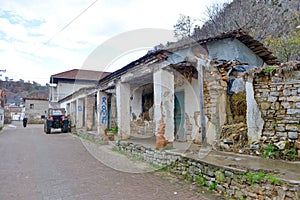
<point>286,170</point>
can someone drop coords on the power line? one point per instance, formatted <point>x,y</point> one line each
<point>66,26</point>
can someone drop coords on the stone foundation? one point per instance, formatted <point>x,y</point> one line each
<point>234,183</point>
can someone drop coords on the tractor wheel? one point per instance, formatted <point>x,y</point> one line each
<point>65,128</point>
<point>48,129</point>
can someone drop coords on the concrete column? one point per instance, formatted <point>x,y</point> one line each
<point>136,103</point>
<point>73,111</point>
<point>80,117</point>
<point>89,112</point>
<point>163,107</point>
<point>123,109</point>
<point>102,118</point>
<point>255,123</point>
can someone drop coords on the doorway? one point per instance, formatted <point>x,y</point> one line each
<point>179,116</point>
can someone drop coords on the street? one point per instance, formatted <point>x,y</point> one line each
<point>34,165</point>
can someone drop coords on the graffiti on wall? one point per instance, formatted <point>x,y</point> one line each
<point>104,110</point>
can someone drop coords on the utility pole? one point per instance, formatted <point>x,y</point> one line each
<point>2,70</point>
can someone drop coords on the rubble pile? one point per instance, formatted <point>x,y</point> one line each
<point>233,138</point>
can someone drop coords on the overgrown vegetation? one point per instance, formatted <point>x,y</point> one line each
<point>112,130</point>
<point>274,152</point>
<point>258,176</point>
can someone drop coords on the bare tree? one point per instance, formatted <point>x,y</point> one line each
<point>184,27</point>
<point>260,18</point>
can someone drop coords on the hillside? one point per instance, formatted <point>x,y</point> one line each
<point>16,90</point>
<point>272,22</point>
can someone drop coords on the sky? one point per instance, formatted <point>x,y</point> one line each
<point>41,38</point>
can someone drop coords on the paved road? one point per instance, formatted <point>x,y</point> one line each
<point>34,165</point>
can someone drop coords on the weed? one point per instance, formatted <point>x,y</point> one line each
<point>255,177</point>
<point>291,154</point>
<point>269,152</point>
<point>268,70</point>
<point>115,149</point>
<point>273,180</point>
<point>213,186</point>
<point>155,166</point>
<point>200,180</point>
<point>113,130</point>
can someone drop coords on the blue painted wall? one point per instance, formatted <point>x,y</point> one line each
<point>226,49</point>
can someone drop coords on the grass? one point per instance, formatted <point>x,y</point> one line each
<point>256,177</point>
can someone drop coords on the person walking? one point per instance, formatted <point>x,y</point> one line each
<point>25,122</point>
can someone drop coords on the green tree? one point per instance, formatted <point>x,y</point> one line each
<point>287,47</point>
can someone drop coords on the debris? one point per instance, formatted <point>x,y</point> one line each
<point>281,144</point>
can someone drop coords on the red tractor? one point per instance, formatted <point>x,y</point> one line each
<point>56,119</point>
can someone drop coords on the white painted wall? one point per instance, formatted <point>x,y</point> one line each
<point>123,94</point>
<point>136,103</point>
<point>80,107</point>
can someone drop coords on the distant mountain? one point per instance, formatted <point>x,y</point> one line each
<point>16,90</point>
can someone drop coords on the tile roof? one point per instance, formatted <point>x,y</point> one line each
<point>37,97</point>
<point>79,74</point>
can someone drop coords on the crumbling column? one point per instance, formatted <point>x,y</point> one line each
<point>163,107</point>
<point>123,109</point>
<point>73,113</point>
<point>89,112</point>
<point>102,112</point>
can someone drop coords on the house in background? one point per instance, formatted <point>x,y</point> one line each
<point>65,83</point>
<point>16,112</point>
<point>2,103</point>
<point>36,107</point>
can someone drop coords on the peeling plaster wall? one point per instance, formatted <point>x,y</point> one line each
<point>164,102</point>
<point>191,106</point>
<point>229,49</point>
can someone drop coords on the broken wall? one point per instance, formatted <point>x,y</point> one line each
<point>141,123</point>
<point>278,97</point>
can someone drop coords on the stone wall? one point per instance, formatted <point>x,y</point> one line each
<point>140,128</point>
<point>237,184</point>
<point>278,97</point>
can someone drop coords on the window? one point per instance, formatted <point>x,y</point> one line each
<point>31,106</point>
